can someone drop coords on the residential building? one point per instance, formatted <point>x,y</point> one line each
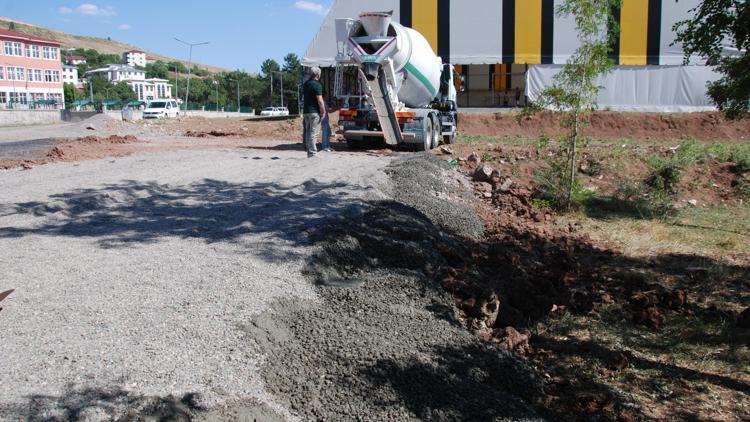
<point>30,70</point>
<point>75,60</point>
<point>150,60</point>
<point>118,72</point>
<point>70,75</point>
<point>134,58</point>
<point>506,51</point>
<point>152,89</point>
<point>145,89</point>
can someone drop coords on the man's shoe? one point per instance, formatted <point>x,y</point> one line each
<point>328,150</point>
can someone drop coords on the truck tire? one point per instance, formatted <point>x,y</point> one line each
<point>429,131</point>
<point>436,131</point>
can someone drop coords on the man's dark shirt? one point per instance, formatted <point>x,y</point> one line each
<point>311,90</point>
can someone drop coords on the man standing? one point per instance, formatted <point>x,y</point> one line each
<point>314,110</point>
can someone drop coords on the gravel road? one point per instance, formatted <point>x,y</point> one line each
<point>134,277</point>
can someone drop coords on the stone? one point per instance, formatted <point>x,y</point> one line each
<point>483,174</point>
<point>484,187</point>
<point>446,150</point>
<point>474,158</point>
<point>507,184</point>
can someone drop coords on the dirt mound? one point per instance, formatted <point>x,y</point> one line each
<point>611,125</point>
<point>239,128</point>
<point>85,148</point>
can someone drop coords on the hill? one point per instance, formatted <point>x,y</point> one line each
<point>102,45</point>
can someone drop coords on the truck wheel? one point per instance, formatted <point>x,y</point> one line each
<point>429,131</point>
<point>437,130</point>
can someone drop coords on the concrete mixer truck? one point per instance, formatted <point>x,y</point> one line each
<point>408,94</point>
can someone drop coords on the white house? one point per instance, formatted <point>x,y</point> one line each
<point>70,75</point>
<point>145,89</point>
<point>152,89</point>
<point>134,58</point>
<point>75,60</point>
<point>118,72</point>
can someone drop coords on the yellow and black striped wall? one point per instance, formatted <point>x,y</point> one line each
<point>528,30</point>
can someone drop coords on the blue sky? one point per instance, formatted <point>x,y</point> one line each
<point>242,33</point>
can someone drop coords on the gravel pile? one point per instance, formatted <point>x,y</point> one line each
<point>385,343</point>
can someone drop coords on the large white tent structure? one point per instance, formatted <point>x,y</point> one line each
<point>508,51</point>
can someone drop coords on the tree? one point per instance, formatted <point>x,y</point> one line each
<point>268,66</point>
<point>12,26</point>
<point>158,69</point>
<point>292,63</point>
<point>717,23</point>
<point>69,93</point>
<point>575,88</point>
<point>178,66</point>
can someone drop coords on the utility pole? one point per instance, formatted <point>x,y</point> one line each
<point>176,80</point>
<point>190,65</point>
<point>282,85</point>
<point>238,93</point>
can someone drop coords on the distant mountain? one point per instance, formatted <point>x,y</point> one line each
<point>101,45</point>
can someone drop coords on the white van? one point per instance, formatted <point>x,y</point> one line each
<point>161,109</point>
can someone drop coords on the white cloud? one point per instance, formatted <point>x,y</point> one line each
<point>124,27</point>
<point>311,6</point>
<point>88,9</point>
<point>94,10</point>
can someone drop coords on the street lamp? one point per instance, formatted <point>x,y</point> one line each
<point>190,65</point>
<point>238,93</point>
<point>282,85</point>
<point>216,85</point>
<point>176,80</point>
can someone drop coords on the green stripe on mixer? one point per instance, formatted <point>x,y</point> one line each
<point>413,70</point>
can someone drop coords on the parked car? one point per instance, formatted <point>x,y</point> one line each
<point>275,111</point>
<point>161,109</point>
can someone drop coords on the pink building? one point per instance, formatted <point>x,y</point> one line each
<point>30,71</point>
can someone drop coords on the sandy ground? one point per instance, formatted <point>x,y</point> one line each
<point>134,275</point>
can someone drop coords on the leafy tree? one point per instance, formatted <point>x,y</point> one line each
<point>575,89</point>
<point>714,23</point>
<point>69,93</point>
<point>292,63</point>
<point>268,66</point>
<point>178,66</point>
<point>158,69</point>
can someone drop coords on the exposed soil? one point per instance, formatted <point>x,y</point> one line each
<point>245,128</point>
<point>86,148</point>
<point>605,168</point>
<point>711,126</point>
<point>530,272</point>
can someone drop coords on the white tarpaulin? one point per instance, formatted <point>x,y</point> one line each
<point>640,88</point>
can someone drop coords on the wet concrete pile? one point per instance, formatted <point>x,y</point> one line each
<point>386,343</point>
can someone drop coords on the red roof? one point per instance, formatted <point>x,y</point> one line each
<point>75,58</point>
<point>27,37</point>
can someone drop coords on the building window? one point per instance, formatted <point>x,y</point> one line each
<point>13,97</point>
<point>18,49</point>
<point>47,76</point>
<point>32,51</point>
<point>53,53</point>
<point>30,75</point>
<point>3,98</point>
<point>38,75</point>
<point>55,76</point>
<point>20,74</point>
<point>45,52</point>
<point>8,48</point>
<point>11,73</point>
<point>2,73</point>
<point>22,98</point>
